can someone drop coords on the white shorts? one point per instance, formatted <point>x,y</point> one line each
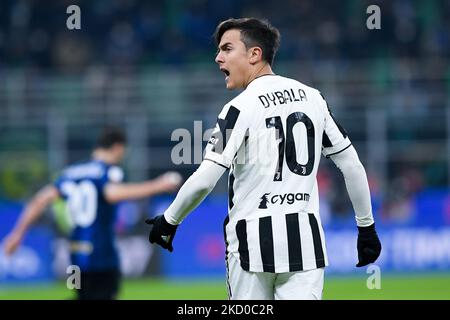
<point>245,285</point>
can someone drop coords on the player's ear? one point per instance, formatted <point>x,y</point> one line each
<point>255,55</point>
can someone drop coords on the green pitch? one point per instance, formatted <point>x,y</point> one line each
<point>405,287</point>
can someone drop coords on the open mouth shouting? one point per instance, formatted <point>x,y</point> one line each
<point>226,72</point>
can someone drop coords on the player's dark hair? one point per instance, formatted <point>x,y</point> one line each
<point>254,33</point>
<point>111,136</point>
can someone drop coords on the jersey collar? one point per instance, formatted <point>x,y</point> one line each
<point>265,76</point>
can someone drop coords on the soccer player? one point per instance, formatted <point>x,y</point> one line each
<point>91,190</point>
<point>270,138</point>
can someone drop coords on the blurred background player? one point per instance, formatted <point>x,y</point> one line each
<point>91,190</point>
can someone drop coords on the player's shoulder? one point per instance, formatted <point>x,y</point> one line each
<point>90,169</point>
<point>239,104</point>
<point>75,168</point>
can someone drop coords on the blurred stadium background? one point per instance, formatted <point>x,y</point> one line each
<point>149,67</point>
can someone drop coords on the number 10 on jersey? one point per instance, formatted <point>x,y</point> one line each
<point>286,144</point>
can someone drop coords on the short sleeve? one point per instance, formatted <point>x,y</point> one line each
<point>334,138</point>
<point>227,136</point>
<point>115,174</point>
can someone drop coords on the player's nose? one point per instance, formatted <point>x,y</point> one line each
<point>219,58</point>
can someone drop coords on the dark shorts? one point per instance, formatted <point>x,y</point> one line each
<point>99,285</point>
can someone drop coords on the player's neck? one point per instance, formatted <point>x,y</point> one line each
<point>104,156</point>
<point>259,71</point>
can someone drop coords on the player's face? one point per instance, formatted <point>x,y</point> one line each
<point>233,59</point>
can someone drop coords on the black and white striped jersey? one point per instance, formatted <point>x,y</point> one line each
<point>271,138</point>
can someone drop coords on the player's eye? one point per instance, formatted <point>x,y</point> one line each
<point>226,49</point>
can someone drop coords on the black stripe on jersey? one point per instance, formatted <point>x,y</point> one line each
<point>230,190</point>
<point>225,125</point>
<point>217,163</point>
<point>227,219</point>
<point>332,154</point>
<point>266,244</point>
<point>294,242</point>
<point>241,232</point>
<point>318,250</point>
<point>326,142</point>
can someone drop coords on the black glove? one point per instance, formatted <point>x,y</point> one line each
<point>162,232</point>
<point>369,246</point>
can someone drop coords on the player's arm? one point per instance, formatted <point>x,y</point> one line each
<point>115,192</point>
<point>337,146</point>
<point>369,245</point>
<point>34,209</point>
<point>356,183</point>
<point>193,191</point>
<point>191,194</point>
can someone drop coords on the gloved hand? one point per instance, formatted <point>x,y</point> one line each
<point>162,232</point>
<point>369,246</point>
